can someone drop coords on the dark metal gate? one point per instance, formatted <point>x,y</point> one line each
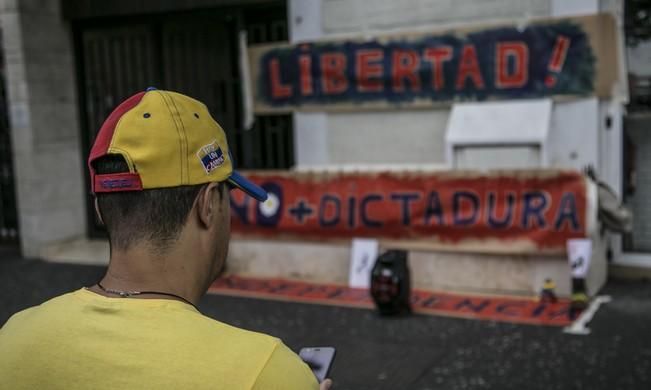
<point>8,209</point>
<point>192,53</point>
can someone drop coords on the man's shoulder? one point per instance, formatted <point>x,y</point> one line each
<point>17,319</point>
<point>31,325</point>
<point>214,328</point>
<point>25,316</point>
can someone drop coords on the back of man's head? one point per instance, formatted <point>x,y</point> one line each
<point>149,161</point>
<point>154,216</point>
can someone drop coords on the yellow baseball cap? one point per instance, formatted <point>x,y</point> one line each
<point>168,140</point>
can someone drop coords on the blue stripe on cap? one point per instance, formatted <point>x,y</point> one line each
<point>247,186</point>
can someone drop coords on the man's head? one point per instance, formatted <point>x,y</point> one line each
<point>160,168</point>
<point>154,216</point>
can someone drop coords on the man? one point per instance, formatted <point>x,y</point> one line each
<point>160,168</point>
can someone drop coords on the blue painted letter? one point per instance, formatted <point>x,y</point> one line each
<point>322,210</point>
<point>493,220</point>
<point>405,198</point>
<point>434,209</point>
<point>363,212</point>
<point>567,211</point>
<point>535,204</point>
<point>457,198</point>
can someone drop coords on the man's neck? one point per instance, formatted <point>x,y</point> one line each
<point>140,269</point>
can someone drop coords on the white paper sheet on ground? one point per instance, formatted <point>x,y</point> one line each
<point>579,251</point>
<point>362,258</point>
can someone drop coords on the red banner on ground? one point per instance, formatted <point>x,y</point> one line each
<point>530,210</point>
<point>481,307</point>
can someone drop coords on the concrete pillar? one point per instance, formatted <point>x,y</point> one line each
<point>44,122</point>
<point>311,139</point>
<point>310,128</point>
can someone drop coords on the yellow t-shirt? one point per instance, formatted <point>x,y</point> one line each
<point>83,340</point>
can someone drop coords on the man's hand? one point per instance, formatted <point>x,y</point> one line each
<point>326,384</point>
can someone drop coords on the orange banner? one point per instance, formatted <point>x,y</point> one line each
<point>531,211</point>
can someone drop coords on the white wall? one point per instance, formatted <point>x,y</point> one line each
<point>574,7</point>
<point>577,137</point>
<point>580,136</point>
<point>310,129</point>
<point>354,16</point>
<point>311,137</point>
<point>573,136</point>
<point>578,141</point>
<point>398,136</point>
<point>305,21</point>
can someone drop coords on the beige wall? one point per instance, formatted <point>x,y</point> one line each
<point>44,126</point>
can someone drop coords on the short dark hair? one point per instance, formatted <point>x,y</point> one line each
<point>153,215</point>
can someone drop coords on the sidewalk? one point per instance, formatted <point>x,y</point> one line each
<point>419,352</point>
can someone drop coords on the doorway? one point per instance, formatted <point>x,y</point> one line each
<point>637,187</point>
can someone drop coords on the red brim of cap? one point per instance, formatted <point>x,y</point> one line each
<point>250,188</point>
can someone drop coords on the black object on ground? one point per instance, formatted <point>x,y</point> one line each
<point>391,283</point>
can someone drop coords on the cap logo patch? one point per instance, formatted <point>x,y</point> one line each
<point>112,184</point>
<point>211,156</point>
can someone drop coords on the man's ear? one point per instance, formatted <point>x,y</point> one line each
<point>98,213</point>
<point>207,207</point>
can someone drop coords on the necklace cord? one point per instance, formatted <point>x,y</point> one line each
<point>129,294</point>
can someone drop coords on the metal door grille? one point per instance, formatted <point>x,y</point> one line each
<point>197,61</point>
<point>8,212</point>
<point>271,140</point>
<point>118,62</point>
<point>195,54</point>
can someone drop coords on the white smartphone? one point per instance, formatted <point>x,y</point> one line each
<point>319,359</point>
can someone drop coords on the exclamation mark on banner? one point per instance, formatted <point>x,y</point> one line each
<point>558,59</point>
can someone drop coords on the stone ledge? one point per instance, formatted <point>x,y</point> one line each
<point>77,251</point>
<point>329,263</point>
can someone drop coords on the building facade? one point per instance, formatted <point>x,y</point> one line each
<point>67,64</point>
